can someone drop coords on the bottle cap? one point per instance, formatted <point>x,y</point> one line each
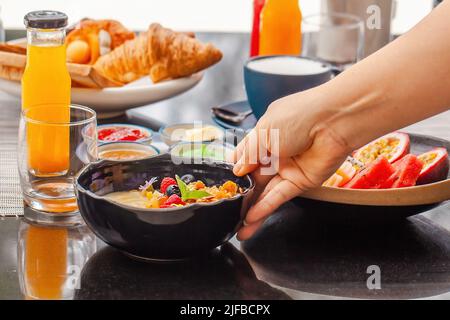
<point>45,19</point>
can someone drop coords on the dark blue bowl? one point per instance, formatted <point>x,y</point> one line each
<point>263,88</point>
<point>159,234</point>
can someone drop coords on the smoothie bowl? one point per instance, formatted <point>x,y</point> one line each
<point>156,210</point>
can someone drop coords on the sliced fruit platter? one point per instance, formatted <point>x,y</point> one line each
<point>395,170</point>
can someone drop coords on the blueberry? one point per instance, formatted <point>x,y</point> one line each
<point>173,189</point>
<point>188,178</point>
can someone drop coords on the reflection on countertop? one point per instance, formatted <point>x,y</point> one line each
<point>50,259</point>
<point>311,257</point>
<point>297,255</point>
<point>224,274</point>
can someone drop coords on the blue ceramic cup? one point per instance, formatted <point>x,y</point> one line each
<point>269,78</point>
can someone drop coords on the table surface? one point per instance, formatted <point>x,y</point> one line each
<point>296,255</point>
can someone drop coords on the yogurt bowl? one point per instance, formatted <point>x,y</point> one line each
<point>160,234</point>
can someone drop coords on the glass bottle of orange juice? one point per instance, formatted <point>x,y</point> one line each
<point>46,82</point>
<point>280,31</point>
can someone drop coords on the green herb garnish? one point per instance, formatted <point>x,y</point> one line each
<point>187,194</point>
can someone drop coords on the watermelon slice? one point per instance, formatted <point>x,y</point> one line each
<point>373,175</point>
<point>407,171</point>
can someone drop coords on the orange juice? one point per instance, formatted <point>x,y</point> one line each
<point>280,31</point>
<point>45,262</point>
<point>46,82</point>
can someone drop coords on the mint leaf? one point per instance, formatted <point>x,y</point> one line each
<point>197,194</point>
<point>187,194</point>
<point>183,187</point>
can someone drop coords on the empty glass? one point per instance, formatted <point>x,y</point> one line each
<point>335,38</point>
<point>51,153</point>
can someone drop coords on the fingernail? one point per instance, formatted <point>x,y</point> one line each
<point>237,167</point>
<point>230,157</point>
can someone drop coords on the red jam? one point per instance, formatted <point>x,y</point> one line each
<point>114,134</point>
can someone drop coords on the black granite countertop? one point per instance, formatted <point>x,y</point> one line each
<point>300,253</point>
<point>295,256</point>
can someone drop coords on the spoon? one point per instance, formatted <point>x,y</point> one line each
<point>231,116</point>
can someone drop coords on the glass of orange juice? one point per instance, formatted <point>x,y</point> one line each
<point>63,149</point>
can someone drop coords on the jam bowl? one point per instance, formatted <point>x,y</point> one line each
<point>120,132</point>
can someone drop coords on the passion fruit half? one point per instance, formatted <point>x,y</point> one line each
<point>435,166</point>
<point>393,147</point>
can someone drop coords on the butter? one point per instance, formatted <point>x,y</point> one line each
<point>207,133</point>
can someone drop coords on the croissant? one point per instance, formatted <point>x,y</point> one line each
<point>161,53</point>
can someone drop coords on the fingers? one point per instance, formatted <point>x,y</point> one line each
<point>261,182</point>
<point>267,187</point>
<point>246,232</point>
<point>246,154</point>
<point>237,154</point>
<point>243,167</point>
<point>277,192</point>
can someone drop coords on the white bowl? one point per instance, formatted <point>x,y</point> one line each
<point>111,102</point>
<point>151,150</point>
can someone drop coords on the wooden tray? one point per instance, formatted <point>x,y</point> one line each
<point>413,196</point>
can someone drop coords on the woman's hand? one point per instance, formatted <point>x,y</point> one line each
<point>305,154</point>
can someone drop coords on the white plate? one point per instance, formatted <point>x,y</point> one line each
<point>110,102</point>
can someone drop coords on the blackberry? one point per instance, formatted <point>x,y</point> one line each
<point>173,189</point>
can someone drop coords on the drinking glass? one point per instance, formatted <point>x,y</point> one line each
<point>335,38</point>
<point>51,152</point>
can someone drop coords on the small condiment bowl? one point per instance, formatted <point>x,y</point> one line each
<point>147,132</point>
<point>175,133</point>
<point>204,151</point>
<point>146,151</point>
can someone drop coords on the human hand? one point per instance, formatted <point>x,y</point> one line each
<point>307,153</point>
